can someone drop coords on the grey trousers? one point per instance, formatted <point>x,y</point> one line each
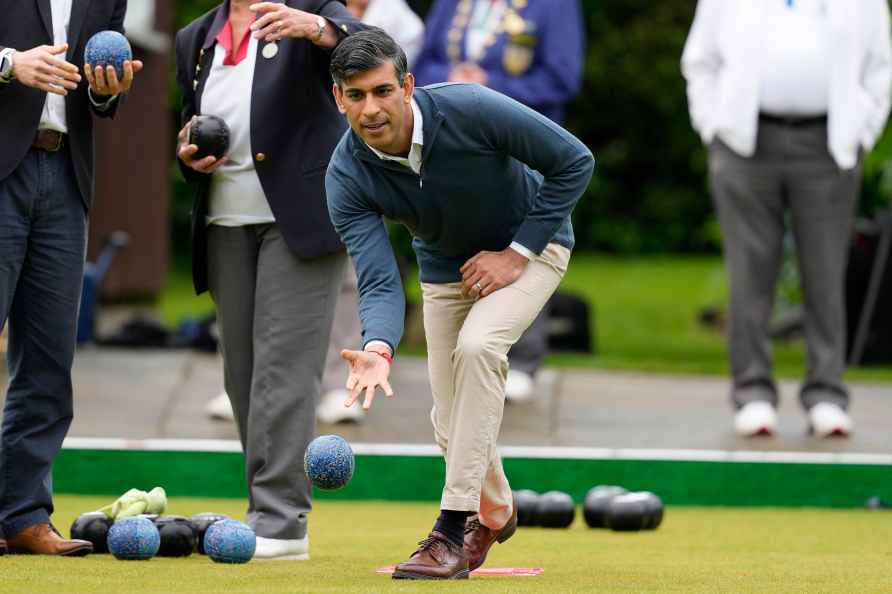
<point>275,313</point>
<point>791,171</point>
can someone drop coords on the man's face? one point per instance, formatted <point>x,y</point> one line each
<point>378,108</point>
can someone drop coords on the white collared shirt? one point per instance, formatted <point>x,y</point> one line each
<point>236,196</point>
<point>53,116</point>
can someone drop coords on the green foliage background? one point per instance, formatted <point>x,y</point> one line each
<point>649,192</point>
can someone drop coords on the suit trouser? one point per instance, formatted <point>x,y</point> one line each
<point>791,171</point>
<point>43,231</point>
<point>346,332</point>
<point>275,314</point>
<point>467,346</point>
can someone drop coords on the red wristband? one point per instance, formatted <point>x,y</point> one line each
<point>387,356</point>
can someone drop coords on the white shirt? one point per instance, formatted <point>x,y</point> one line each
<point>724,71</point>
<point>236,196</point>
<point>53,116</point>
<point>795,53</point>
<point>400,21</point>
<point>413,162</point>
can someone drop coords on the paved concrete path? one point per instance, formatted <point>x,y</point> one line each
<point>143,394</point>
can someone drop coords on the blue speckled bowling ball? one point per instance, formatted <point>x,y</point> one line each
<point>328,462</point>
<point>133,539</point>
<point>230,541</point>
<point>108,48</point>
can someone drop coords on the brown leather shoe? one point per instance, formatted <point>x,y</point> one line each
<point>435,559</point>
<point>44,539</point>
<point>479,538</point>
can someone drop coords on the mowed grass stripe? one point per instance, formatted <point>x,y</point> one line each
<point>696,550</point>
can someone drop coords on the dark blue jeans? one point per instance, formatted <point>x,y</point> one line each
<point>42,249</point>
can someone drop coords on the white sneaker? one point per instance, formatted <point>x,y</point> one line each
<point>755,418</point>
<point>331,409</point>
<point>519,386</point>
<point>827,419</point>
<point>276,549</point>
<point>220,408</point>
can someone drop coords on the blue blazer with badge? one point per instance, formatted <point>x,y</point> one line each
<point>537,60</point>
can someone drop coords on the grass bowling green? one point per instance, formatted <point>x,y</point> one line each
<point>696,549</point>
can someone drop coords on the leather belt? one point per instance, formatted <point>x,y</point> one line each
<point>48,140</point>
<point>794,121</point>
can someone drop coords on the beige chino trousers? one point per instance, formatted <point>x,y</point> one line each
<point>467,345</point>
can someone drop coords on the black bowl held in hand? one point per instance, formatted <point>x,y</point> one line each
<point>92,527</point>
<point>211,135</point>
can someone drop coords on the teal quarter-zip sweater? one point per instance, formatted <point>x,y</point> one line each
<point>492,171</point>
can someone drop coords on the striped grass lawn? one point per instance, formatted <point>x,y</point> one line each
<point>696,550</point>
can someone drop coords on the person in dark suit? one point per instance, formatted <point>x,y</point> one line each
<point>263,243</point>
<point>46,188</point>
<point>531,51</point>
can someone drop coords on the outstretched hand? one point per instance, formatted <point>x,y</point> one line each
<point>368,371</point>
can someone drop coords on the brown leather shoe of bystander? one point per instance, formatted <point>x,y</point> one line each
<point>44,539</point>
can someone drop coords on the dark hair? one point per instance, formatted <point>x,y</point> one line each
<point>364,51</point>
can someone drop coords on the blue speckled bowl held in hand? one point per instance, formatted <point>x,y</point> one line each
<point>108,48</point>
<point>328,462</point>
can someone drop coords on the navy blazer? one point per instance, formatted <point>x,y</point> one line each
<point>295,125</point>
<point>26,24</point>
<point>540,66</point>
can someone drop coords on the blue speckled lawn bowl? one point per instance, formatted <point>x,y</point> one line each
<point>133,539</point>
<point>230,541</point>
<point>329,462</point>
<point>108,48</point>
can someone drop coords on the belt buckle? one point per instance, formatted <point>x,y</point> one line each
<point>59,138</point>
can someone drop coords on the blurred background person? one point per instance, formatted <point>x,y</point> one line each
<point>395,17</point>
<point>530,50</point>
<point>262,241</point>
<point>788,95</point>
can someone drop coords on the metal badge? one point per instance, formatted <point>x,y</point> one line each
<point>270,50</point>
